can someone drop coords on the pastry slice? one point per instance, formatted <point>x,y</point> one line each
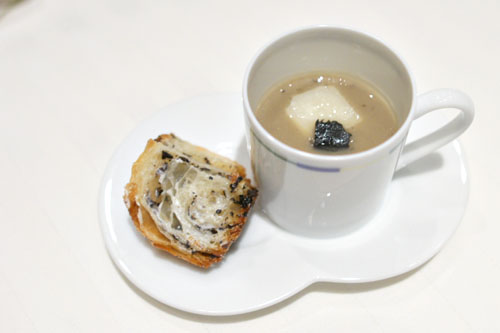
<point>187,200</point>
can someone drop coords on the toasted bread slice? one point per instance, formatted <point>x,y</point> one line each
<point>187,200</point>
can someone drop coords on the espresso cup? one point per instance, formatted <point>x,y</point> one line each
<point>329,195</point>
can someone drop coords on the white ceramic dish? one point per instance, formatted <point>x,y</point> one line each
<point>267,264</point>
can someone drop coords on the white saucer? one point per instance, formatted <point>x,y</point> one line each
<point>267,265</point>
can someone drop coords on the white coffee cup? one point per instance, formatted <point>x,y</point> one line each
<point>325,196</point>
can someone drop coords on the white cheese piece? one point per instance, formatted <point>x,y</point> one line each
<point>324,103</point>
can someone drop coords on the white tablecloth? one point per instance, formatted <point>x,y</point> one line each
<point>77,76</point>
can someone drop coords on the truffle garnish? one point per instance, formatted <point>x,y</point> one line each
<point>330,135</point>
<point>235,184</point>
<point>246,200</point>
<point>151,203</point>
<point>161,170</point>
<point>165,155</point>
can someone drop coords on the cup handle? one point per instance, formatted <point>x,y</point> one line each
<point>431,101</point>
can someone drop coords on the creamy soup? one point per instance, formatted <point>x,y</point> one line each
<point>289,111</point>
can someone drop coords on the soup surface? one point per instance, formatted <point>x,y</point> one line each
<point>289,110</point>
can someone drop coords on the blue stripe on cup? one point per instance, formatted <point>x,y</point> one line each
<point>313,168</point>
<point>310,167</point>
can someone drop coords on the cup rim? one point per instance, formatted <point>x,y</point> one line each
<point>319,159</point>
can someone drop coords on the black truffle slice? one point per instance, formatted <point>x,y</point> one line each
<point>330,135</point>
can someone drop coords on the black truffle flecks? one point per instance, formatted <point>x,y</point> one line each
<point>330,135</point>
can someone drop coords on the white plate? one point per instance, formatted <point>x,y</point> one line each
<point>267,265</point>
